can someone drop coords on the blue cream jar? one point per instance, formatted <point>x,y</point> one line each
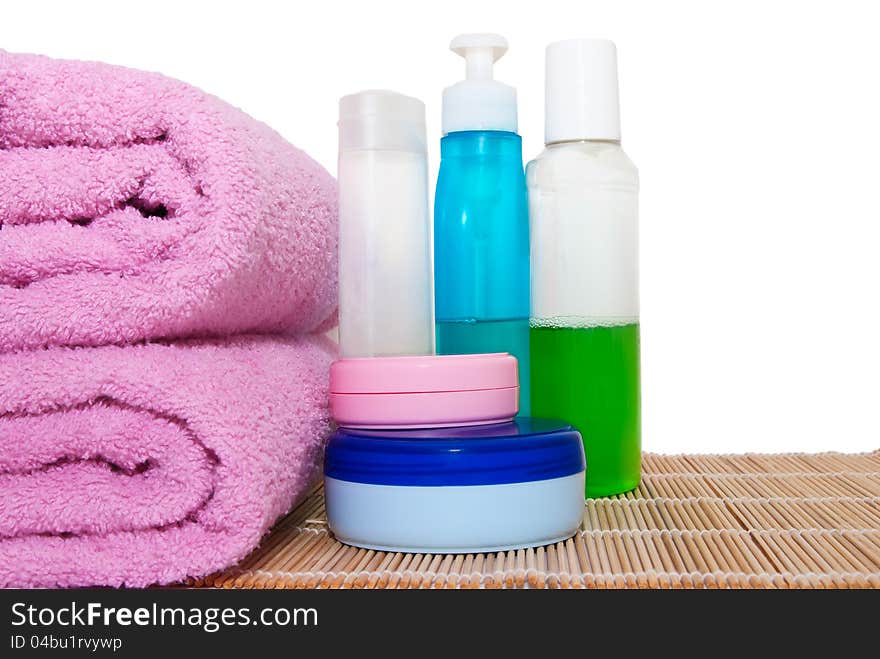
<point>456,490</point>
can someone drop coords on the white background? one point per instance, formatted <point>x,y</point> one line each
<point>755,125</point>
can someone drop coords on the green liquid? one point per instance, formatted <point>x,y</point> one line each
<point>589,377</point>
<point>476,336</point>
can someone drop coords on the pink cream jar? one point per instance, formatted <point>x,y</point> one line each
<point>424,392</point>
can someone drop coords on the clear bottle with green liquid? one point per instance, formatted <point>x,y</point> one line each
<point>584,321</point>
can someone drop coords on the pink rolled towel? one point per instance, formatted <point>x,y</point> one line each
<point>147,464</point>
<point>133,206</point>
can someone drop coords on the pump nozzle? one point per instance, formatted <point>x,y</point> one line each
<point>480,51</point>
<point>479,102</point>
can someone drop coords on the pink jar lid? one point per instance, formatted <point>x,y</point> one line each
<point>424,392</point>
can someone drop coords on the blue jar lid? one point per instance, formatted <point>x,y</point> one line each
<point>520,451</point>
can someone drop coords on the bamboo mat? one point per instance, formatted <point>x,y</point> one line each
<point>696,521</point>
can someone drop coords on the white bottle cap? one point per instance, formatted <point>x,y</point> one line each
<point>382,120</point>
<point>581,98</point>
<point>479,102</point>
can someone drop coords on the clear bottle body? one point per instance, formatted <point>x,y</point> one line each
<point>584,320</point>
<point>481,249</point>
<point>385,301</point>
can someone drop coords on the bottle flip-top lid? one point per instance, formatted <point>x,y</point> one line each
<point>479,102</point>
<point>378,119</point>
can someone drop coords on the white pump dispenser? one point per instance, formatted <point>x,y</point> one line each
<point>479,102</point>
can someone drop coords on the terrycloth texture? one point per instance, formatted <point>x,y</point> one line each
<point>133,206</point>
<point>147,464</point>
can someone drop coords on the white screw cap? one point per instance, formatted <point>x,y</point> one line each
<point>581,99</point>
<point>479,102</point>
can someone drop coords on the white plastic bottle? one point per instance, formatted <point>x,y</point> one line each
<point>584,321</point>
<point>385,296</point>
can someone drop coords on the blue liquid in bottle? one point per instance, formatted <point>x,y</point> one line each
<point>481,249</point>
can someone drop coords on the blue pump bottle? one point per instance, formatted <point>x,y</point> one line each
<point>481,227</point>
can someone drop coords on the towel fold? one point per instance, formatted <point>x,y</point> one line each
<point>133,206</point>
<point>148,464</point>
